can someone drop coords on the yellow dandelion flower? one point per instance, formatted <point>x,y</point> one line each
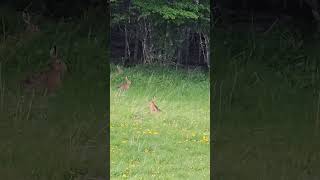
<point>205,139</point>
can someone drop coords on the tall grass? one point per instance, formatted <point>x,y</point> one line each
<point>60,136</point>
<point>172,144</point>
<point>266,106</point>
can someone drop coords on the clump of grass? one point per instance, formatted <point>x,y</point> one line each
<point>170,144</point>
<point>265,107</point>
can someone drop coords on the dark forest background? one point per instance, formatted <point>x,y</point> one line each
<point>59,8</point>
<point>166,32</point>
<point>300,14</point>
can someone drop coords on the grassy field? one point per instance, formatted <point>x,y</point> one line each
<point>266,106</point>
<point>53,137</point>
<point>172,144</point>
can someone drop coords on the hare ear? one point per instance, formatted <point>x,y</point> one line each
<point>53,52</point>
<point>25,16</point>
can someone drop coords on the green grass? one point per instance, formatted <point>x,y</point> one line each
<point>53,137</point>
<point>172,144</point>
<point>266,106</point>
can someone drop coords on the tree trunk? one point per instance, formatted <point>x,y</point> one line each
<point>207,49</point>
<point>187,48</point>
<point>127,47</point>
<point>136,47</point>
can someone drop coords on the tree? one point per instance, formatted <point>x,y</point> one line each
<point>164,31</point>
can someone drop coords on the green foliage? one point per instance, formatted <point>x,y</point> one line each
<point>163,28</point>
<point>178,12</point>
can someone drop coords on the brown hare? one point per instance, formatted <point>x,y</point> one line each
<point>30,27</point>
<point>126,85</point>
<point>49,80</point>
<point>153,107</point>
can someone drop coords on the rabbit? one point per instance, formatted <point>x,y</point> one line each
<point>51,79</point>
<point>153,107</point>
<point>27,19</point>
<point>126,85</point>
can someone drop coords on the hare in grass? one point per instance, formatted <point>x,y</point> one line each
<point>30,26</point>
<point>49,80</point>
<point>126,85</point>
<point>153,107</point>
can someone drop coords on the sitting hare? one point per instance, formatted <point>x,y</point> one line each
<point>153,107</point>
<point>49,80</point>
<point>126,85</point>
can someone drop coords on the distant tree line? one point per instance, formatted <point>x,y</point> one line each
<point>166,31</point>
<point>57,8</point>
<point>302,10</point>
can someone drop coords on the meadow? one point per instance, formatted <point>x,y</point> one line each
<point>266,105</point>
<point>61,136</point>
<point>171,144</point>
